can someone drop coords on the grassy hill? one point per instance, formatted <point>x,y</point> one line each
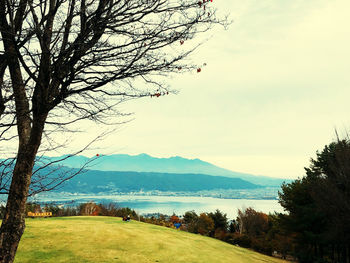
<point>109,239</point>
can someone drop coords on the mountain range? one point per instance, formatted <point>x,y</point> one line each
<point>97,182</point>
<point>147,164</point>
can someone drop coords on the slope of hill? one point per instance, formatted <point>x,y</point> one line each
<point>93,181</point>
<point>109,239</point>
<point>147,163</point>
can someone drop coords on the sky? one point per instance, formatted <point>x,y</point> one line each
<point>275,88</point>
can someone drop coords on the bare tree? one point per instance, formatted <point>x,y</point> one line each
<point>62,61</point>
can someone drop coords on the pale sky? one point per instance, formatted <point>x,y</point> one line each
<point>275,87</point>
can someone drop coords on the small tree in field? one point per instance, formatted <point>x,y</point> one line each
<point>89,209</point>
<point>205,224</point>
<point>174,219</point>
<point>220,220</point>
<point>66,60</point>
<point>252,223</point>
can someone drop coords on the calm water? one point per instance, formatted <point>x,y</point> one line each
<point>172,204</point>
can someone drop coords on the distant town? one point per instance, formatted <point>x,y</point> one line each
<point>268,193</point>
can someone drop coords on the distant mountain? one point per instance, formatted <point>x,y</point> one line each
<point>93,181</point>
<point>146,163</point>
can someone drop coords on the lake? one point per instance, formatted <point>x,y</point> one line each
<point>172,204</point>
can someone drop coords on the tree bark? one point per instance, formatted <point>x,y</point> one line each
<point>13,224</point>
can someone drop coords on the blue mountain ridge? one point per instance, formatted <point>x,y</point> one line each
<point>94,181</point>
<point>146,163</point>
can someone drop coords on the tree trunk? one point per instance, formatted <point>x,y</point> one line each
<point>13,224</point>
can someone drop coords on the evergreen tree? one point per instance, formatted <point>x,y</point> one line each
<point>319,206</point>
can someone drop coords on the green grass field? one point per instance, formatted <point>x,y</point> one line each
<point>109,239</point>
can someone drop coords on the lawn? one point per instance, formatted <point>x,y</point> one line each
<point>109,239</point>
